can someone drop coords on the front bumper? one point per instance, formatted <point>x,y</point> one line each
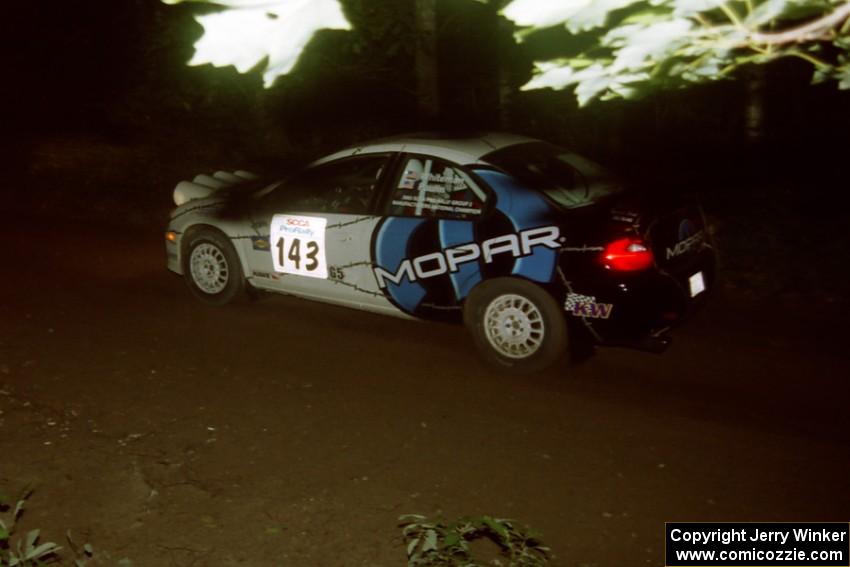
<point>172,252</point>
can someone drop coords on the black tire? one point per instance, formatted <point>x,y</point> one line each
<point>212,268</point>
<point>516,325</point>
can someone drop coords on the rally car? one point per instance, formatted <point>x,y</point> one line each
<point>530,245</point>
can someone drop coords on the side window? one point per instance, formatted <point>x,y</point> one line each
<point>429,187</point>
<point>345,186</point>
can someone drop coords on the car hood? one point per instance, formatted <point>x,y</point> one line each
<point>211,204</point>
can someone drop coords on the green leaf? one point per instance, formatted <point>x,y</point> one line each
<point>30,540</point>
<point>71,541</point>
<point>766,12</point>
<point>411,546</point>
<point>579,15</point>
<point>268,32</point>
<point>804,9</point>
<point>497,528</point>
<point>822,75</point>
<point>705,69</point>
<point>649,15</point>
<point>541,13</point>
<point>595,14</point>
<point>589,83</point>
<point>551,75</point>
<point>842,42</point>
<point>430,543</point>
<point>19,508</point>
<point>452,539</point>
<point>641,45</point>
<point>687,8</point>
<point>43,550</point>
<point>580,62</point>
<point>591,87</point>
<point>844,78</point>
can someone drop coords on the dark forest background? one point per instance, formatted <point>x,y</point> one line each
<point>102,118</point>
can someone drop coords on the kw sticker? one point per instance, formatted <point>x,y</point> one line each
<point>586,306</point>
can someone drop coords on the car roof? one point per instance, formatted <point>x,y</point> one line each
<point>464,149</point>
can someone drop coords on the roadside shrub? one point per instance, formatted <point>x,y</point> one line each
<point>17,551</point>
<point>433,542</point>
<point>25,550</point>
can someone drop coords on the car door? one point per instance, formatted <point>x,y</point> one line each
<point>314,233</point>
<point>425,252</point>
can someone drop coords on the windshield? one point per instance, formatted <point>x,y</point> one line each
<point>569,179</point>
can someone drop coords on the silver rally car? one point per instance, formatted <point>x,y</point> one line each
<point>528,244</point>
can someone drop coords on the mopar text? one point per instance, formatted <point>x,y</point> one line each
<point>450,259</point>
<point>685,246</point>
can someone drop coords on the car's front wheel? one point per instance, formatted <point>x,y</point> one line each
<point>516,325</point>
<point>212,268</point>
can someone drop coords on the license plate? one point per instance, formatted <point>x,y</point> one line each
<point>697,284</point>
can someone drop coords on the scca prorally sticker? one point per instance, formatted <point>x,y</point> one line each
<point>298,245</point>
<point>586,306</point>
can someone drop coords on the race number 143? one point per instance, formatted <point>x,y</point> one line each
<point>298,245</point>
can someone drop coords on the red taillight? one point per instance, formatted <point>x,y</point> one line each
<point>627,255</point>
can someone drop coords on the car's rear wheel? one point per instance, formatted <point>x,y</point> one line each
<point>212,268</point>
<point>516,325</point>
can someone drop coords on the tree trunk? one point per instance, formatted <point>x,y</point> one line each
<point>427,85</point>
<point>507,87</point>
<point>754,119</point>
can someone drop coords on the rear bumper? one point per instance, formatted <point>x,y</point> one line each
<point>640,310</point>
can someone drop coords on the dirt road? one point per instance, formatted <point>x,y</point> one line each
<point>287,433</point>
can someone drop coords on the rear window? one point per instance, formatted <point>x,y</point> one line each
<point>569,179</point>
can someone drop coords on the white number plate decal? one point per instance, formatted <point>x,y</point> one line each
<point>298,245</point>
<point>697,283</point>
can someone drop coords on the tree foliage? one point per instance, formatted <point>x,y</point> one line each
<point>632,46</point>
<point>612,48</point>
<point>248,33</point>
